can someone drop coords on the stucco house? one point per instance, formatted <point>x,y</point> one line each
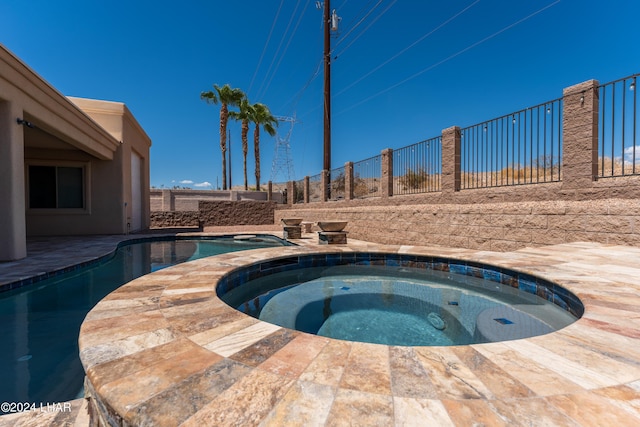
<point>68,166</point>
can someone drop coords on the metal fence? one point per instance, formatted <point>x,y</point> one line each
<point>417,168</point>
<point>524,147</point>
<point>298,190</point>
<point>315,188</point>
<point>279,186</point>
<point>618,149</point>
<point>337,181</point>
<point>366,177</point>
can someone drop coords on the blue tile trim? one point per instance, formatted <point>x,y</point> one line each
<point>102,259</point>
<point>55,273</point>
<point>534,285</point>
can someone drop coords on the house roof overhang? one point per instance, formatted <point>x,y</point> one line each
<point>50,111</point>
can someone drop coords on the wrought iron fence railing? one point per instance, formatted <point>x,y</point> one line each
<point>366,177</point>
<point>618,139</point>
<point>315,188</point>
<point>417,168</point>
<point>298,190</point>
<point>337,183</point>
<point>524,147</point>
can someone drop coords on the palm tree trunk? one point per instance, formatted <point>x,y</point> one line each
<point>256,152</point>
<point>245,149</point>
<point>224,117</point>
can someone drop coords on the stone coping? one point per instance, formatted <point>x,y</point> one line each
<point>164,350</point>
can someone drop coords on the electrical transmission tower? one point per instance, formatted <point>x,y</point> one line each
<point>282,166</point>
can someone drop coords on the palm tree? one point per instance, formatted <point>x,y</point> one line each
<point>227,96</point>
<point>244,115</point>
<point>261,116</point>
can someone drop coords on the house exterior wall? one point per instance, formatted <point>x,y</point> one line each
<point>40,126</point>
<point>109,196</point>
<point>117,119</point>
<point>103,213</point>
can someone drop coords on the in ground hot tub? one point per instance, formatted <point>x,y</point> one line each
<point>397,299</point>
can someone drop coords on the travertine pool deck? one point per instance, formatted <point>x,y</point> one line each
<point>164,350</point>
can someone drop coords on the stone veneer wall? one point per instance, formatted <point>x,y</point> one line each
<point>236,212</point>
<point>501,226</point>
<point>216,213</point>
<point>579,208</point>
<point>169,219</point>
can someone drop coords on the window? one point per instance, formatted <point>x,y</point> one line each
<point>56,187</point>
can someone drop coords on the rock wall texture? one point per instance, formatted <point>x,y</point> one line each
<point>501,226</point>
<point>169,219</point>
<point>217,213</point>
<point>236,212</point>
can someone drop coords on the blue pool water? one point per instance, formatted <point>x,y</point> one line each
<point>39,323</point>
<point>396,305</point>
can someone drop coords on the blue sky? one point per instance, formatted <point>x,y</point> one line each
<point>404,69</point>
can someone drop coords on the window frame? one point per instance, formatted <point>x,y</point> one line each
<point>86,190</point>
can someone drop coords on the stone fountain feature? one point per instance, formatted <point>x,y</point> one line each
<point>332,232</point>
<point>292,228</point>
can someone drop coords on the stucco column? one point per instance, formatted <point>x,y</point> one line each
<point>451,159</point>
<point>348,181</point>
<point>13,229</point>
<point>168,201</point>
<point>386,172</point>
<point>580,135</point>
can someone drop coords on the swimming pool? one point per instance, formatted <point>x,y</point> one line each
<point>400,300</point>
<point>41,321</point>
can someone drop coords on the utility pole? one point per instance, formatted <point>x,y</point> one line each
<point>327,85</point>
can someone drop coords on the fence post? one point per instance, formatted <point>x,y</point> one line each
<point>294,193</point>
<point>451,159</point>
<point>386,172</point>
<point>291,193</point>
<point>580,135</point>
<point>348,181</point>
<point>305,195</point>
<point>325,181</point>
<point>269,191</point>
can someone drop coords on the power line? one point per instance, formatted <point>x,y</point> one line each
<point>407,48</point>
<point>342,5</point>
<point>366,28</point>
<point>273,59</point>
<point>264,49</point>
<point>353,27</point>
<point>399,53</point>
<point>296,98</point>
<point>287,46</point>
<point>508,27</point>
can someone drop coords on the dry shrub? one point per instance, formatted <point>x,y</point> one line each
<point>616,167</point>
